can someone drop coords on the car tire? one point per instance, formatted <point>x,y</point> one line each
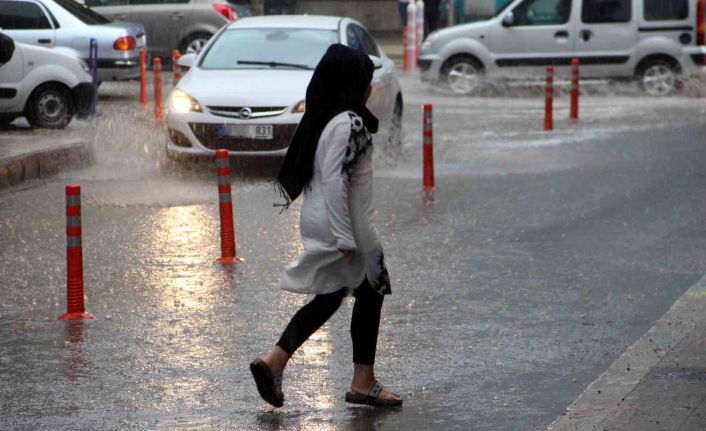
<point>50,106</point>
<point>659,78</point>
<point>194,42</point>
<point>463,75</point>
<point>396,127</point>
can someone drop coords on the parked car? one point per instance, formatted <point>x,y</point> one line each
<point>245,91</point>
<point>185,25</point>
<point>48,86</point>
<point>656,41</point>
<point>68,24</point>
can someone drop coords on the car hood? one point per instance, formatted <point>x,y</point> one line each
<point>251,87</point>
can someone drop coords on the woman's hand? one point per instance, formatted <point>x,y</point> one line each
<point>348,255</point>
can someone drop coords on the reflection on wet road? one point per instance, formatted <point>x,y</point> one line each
<point>537,261</point>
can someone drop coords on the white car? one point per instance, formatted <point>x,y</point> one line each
<point>68,24</point>
<point>656,41</point>
<point>48,86</point>
<point>245,91</point>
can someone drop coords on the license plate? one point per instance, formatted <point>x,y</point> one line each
<point>252,131</point>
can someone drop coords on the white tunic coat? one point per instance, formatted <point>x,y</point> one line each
<point>336,214</point>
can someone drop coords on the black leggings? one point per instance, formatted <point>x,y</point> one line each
<point>364,323</point>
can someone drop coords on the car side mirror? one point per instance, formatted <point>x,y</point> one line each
<point>186,61</point>
<point>508,20</point>
<point>7,48</point>
<point>377,61</point>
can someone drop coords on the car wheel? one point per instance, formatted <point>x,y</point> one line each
<point>659,78</point>
<point>50,106</point>
<point>396,129</point>
<point>463,74</point>
<point>194,43</point>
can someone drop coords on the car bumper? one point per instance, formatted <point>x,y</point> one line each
<point>429,67</point>
<point>118,69</point>
<point>697,59</point>
<point>84,95</point>
<point>197,134</point>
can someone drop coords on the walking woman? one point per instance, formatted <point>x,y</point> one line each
<point>330,161</point>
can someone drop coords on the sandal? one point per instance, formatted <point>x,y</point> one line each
<point>269,386</point>
<point>372,398</point>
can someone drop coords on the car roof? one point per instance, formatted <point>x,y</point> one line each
<point>288,21</point>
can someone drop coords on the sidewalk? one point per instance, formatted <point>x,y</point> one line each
<point>31,155</point>
<point>659,383</point>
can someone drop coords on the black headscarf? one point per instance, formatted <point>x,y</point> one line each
<point>338,84</point>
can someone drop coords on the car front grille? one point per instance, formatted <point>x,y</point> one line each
<point>255,112</point>
<point>207,134</point>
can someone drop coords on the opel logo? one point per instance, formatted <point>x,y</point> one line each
<point>245,113</point>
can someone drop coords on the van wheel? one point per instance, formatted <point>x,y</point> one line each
<point>194,43</point>
<point>462,74</point>
<point>50,106</point>
<point>659,78</point>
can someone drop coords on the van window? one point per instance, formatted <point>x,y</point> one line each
<point>666,10</point>
<point>606,11</point>
<point>22,15</point>
<point>542,12</point>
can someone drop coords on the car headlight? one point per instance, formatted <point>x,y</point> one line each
<point>181,103</point>
<point>84,65</point>
<point>299,107</point>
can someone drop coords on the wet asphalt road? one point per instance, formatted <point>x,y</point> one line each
<point>539,259</point>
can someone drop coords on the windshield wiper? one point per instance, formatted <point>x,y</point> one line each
<point>274,64</point>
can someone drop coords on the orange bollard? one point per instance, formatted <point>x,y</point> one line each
<point>405,53</point>
<point>428,148</point>
<point>143,78</point>
<point>420,30</point>
<point>175,65</point>
<point>549,100</point>
<point>225,206</point>
<point>411,36</point>
<point>574,111</point>
<point>158,109</point>
<point>74,258</point>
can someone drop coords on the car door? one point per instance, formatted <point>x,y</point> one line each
<point>607,36</point>
<point>532,35</point>
<point>151,14</point>
<point>358,38</point>
<point>26,21</point>
<point>11,75</point>
<point>115,10</point>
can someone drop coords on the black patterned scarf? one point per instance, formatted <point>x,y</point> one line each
<point>338,84</point>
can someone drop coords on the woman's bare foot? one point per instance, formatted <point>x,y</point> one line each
<point>363,380</point>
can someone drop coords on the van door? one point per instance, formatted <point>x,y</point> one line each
<point>26,22</point>
<point>532,35</point>
<point>607,37</point>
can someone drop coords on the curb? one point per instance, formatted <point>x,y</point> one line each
<point>43,163</point>
<point>603,397</point>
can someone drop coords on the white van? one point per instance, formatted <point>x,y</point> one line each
<point>47,86</point>
<point>657,41</point>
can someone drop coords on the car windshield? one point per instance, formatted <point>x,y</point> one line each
<point>265,48</point>
<point>83,13</point>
